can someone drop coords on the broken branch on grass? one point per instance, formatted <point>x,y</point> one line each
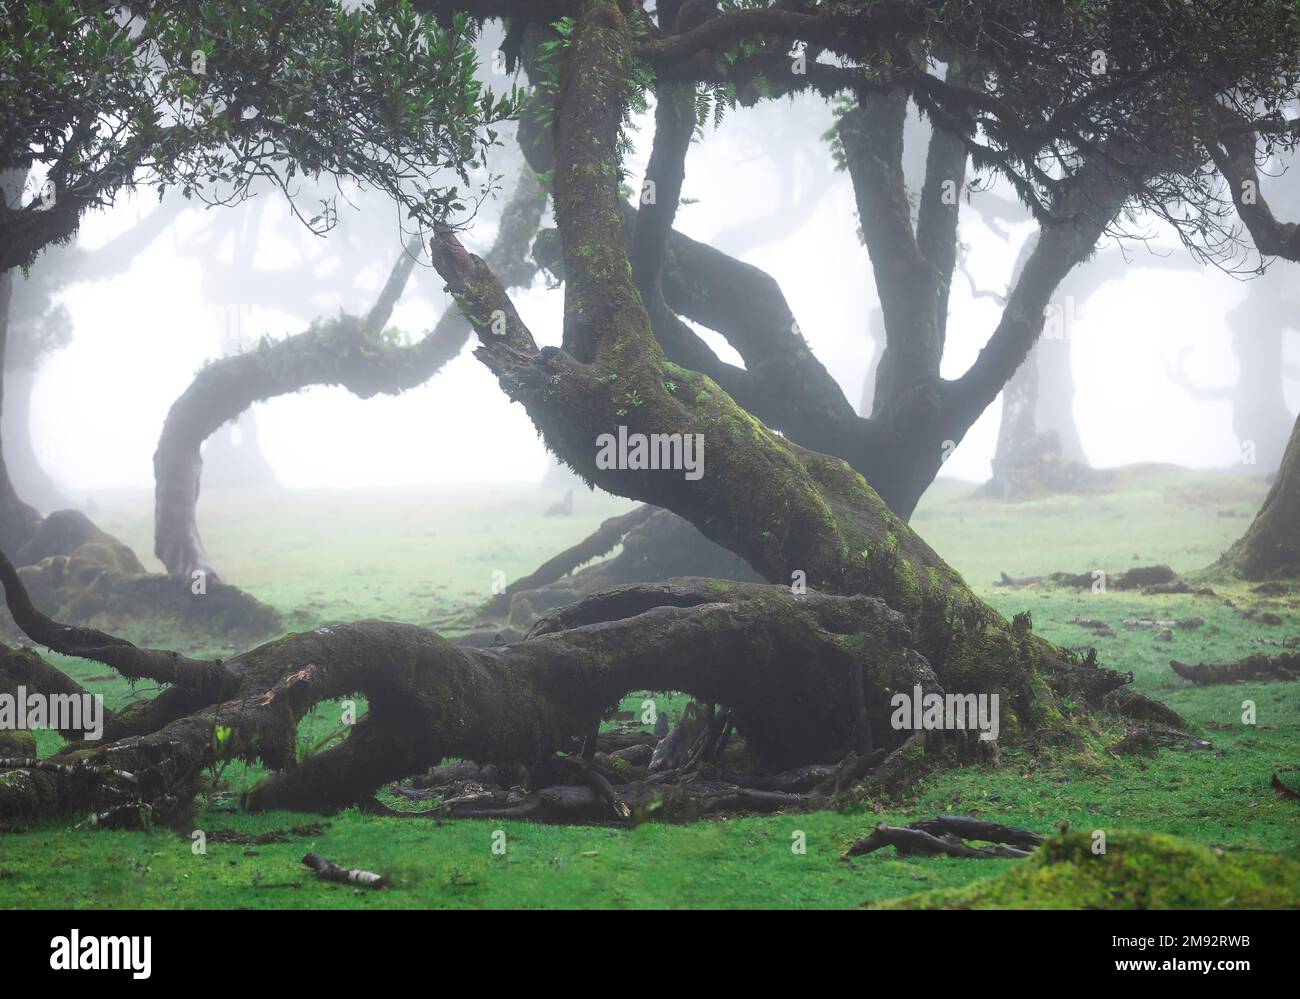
<point>327,870</point>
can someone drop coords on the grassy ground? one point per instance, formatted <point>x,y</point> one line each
<point>413,556</point>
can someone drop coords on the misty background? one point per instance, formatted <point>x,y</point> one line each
<point>761,187</point>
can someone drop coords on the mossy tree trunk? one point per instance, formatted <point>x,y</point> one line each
<point>1270,548</point>
<point>783,508</point>
<point>917,417</point>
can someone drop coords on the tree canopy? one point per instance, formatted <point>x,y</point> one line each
<point>210,97</point>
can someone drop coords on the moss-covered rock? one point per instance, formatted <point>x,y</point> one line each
<point>1139,870</point>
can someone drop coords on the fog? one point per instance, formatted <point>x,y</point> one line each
<point>761,186</point>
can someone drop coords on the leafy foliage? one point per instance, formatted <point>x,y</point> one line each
<point>211,98</point>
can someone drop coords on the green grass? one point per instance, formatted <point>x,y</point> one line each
<point>416,556</point>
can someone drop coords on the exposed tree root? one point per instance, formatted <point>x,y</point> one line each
<point>610,789</point>
<point>1254,667</point>
<point>515,706</point>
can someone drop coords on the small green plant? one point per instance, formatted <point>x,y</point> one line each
<point>213,779</point>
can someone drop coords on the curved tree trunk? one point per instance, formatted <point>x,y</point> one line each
<point>1270,548</point>
<point>343,351</point>
<point>348,352</point>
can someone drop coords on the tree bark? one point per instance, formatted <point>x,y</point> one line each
<point>509,707</point>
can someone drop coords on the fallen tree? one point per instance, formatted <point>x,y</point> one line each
<point>1253,667</point>
<point>943,837</point>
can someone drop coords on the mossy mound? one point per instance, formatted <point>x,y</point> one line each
<point>1139,870</point>
<point>80,575</point>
